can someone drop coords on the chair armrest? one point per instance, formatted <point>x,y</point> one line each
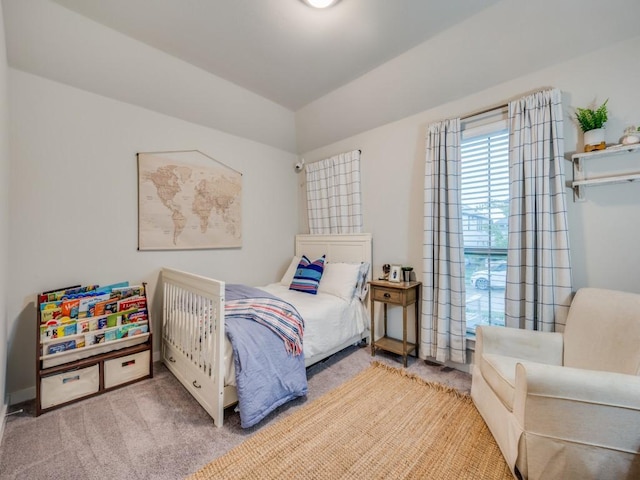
<point>528,345</point>
<point>582,406</point>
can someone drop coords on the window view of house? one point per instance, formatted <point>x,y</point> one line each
<point>485,210</point>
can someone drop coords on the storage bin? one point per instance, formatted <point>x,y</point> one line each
<point>69,385</point>
<point>125,369</point>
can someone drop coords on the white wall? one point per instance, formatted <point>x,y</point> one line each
<point>501,43</point>
<point>45,36</point>
<point>604,230</point>
<point>4,218</point>
<point>73,213</point>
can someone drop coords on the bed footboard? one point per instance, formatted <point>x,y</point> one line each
<point>193,336</point>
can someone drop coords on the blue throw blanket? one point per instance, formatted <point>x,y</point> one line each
<point>267,376</point>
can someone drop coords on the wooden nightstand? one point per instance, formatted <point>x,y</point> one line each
<point>403,294</point>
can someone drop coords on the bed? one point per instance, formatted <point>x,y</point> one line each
<point>196,345</point>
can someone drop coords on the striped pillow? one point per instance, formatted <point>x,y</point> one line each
<point>308,275</point>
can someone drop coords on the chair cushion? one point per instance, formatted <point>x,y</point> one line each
<point>499,371</point>
<point>603,331</point>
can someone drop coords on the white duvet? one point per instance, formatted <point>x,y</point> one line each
<point>329,321</point>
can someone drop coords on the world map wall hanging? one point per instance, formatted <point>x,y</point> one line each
<point>187,200</point>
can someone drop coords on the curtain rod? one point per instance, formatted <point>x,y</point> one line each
<point>503,105</point>
<point>486,110</point>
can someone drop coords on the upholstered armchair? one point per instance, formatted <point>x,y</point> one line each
<point>566,405</point>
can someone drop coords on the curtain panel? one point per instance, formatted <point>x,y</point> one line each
<point>538,291</point>
<point>334,199</point>
<point>443,326</point>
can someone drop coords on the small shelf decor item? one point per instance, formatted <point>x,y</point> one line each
<point>592,122</point>
<point>631,136</point>
<point>406,274</point>
<point>395,274</point>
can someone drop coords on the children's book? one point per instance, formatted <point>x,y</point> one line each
<point>132,302</point>
<point>132,330</point>
<point>125,292</point>
<point>109,288</point>
<point>83,325</point>
<point>92,338</point>
<point>50,305</point>
<point>61,347</point>
<point>50,316</point>
<point>53,295</point>
<point>105,307</point>
<point>114,320</point>
<point>138,329</point>
<point>110,335</point>
<point>85,302</point>
<point>134,316</point>
<point>69,308</point>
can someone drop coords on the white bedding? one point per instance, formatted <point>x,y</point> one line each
<point>329,321</point>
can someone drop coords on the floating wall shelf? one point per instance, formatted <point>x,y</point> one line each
<point>579,179</point>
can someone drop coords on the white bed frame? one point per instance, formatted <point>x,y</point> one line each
<point>194,350</point>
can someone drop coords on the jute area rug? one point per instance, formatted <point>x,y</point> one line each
<point>384,423</point>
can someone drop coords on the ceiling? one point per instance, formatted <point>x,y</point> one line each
<point>283,74</point>
<point>281,50</point>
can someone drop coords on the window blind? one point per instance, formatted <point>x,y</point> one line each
<point>485,191</point>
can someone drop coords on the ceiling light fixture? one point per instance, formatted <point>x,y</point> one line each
<point>320,3</point>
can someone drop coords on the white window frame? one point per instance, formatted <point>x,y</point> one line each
<point>482,125</point>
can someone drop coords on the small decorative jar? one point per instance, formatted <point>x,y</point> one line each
<point>631,136</point>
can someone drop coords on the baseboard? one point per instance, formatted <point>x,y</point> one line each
<point>157,356</point>
<point>3,419</point>
<point>22,395</point>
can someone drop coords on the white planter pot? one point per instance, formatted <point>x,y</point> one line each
<point>594,137</point>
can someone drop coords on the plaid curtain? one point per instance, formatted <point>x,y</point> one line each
<point>333,194</point>
<point>443,326</point>
<point>538,290</point>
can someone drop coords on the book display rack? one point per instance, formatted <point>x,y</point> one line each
<point>89,340</point>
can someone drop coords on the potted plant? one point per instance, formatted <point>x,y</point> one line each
<point>592,122</point>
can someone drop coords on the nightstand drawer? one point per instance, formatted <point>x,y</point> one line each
<point>387,295</point>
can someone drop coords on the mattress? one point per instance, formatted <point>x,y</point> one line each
<point>329,321</point>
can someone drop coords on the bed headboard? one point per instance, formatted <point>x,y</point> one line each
<point>349,247</point>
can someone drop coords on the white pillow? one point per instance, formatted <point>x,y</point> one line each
<point>340,279</point>
<point>363,286</point>
<point>287,278</point>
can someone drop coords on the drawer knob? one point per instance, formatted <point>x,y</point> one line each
<point>172,360</point>
<point>195,384</point>
<point>387,295</point>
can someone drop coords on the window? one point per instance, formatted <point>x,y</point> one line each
<point>485,210</point>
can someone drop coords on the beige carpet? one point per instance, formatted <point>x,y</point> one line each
<point>383,423</point>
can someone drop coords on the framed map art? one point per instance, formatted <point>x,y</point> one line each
<point>187,200</point>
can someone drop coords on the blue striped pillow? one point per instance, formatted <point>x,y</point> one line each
<point>308,275</point>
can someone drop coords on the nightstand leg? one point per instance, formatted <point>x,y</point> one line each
<point>373,328</point>
<point>418,309</point>
<point>404,336</point>
<point>384,308</point>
